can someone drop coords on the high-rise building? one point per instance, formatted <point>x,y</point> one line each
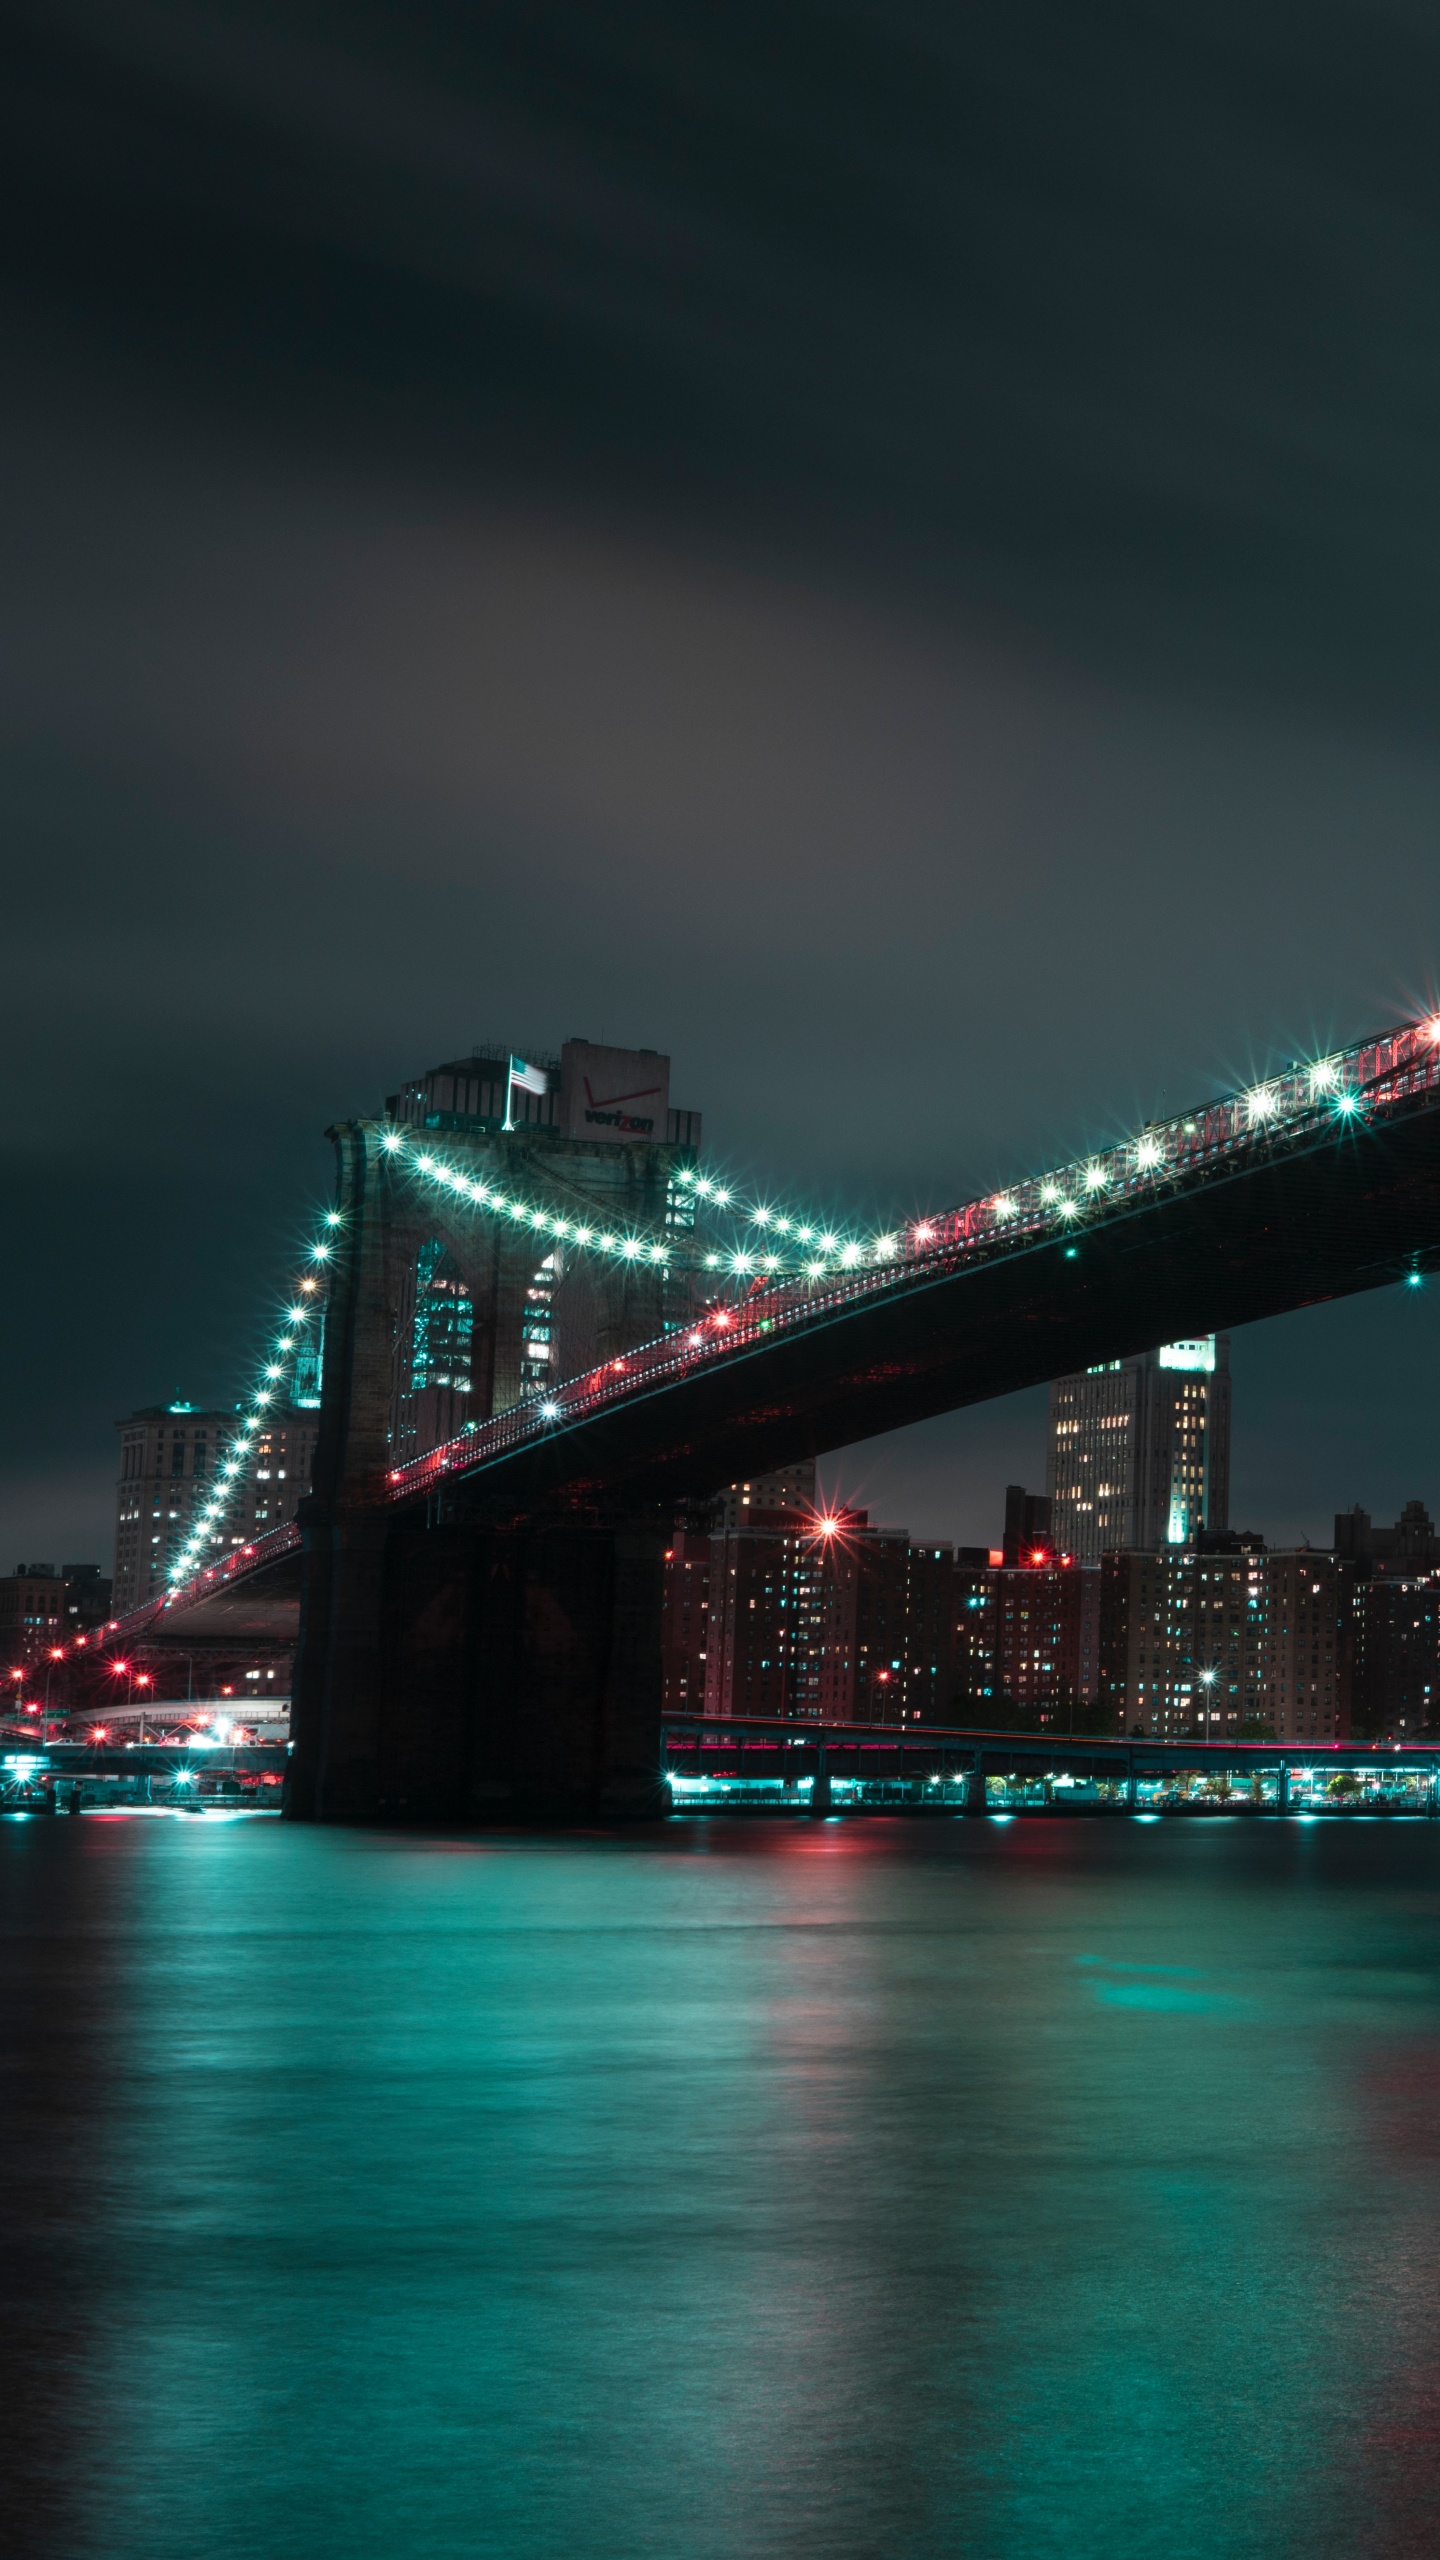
<point>787,1489</point>
<point>808,1615</point>
<point>1397,1655</point>
<point>764,1631</point>
<point>928,1678</point>
<point>685,1625</point>
<point>1412,1546</point>
<point>1221,1636</point>
<point>1139,1453</point>
<point>974,1618</point>
<point>169,1457</point>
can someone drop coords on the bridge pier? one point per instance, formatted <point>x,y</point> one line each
<point>456,1672</point>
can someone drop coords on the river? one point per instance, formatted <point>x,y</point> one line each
<point>866,2187</point>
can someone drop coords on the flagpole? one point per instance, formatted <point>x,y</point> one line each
<point>509,1088</point>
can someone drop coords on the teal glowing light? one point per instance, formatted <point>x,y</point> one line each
<point>1414,1280</point>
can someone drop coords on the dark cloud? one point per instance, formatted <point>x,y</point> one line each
<point>891,552</point>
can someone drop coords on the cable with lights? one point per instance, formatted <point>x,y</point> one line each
<point>209,1526</point>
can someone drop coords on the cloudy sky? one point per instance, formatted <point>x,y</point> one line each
<point>892,551</point>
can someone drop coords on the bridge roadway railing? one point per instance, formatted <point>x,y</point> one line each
<point>758,1765</point>
<point>184,1595</point>
<point>1354,1087</point>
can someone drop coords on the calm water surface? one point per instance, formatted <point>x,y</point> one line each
<point>849,2188</point>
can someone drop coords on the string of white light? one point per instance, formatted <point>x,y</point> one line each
<point>306,1299</point>
<point>811,1249</point>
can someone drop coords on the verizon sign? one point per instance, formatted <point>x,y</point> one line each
<point>613,1094</point>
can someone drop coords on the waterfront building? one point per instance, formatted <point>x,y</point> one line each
<point>1027,1639</point>
<point>685,1632</point>
<point>974,1635</point>
<point>808,1615</point>
<point>1222,1639</point>
<point>1139,1450</point>
<point>764,1636</point>
<point>1397,1654</point>
<point>929,1647</point>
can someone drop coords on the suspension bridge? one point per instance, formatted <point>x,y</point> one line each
<point>478,1623</point>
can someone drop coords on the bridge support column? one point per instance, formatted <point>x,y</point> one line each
<point>335,1709</point>
<point>453,1672</point>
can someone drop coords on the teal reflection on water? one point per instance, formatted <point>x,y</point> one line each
<point>838,2189</point>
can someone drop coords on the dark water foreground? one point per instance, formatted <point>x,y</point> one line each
<point>853,2188</point>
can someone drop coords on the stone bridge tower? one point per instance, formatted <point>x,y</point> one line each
<point>454,1666</point>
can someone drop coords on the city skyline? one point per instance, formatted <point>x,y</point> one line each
<point>941,1473</point>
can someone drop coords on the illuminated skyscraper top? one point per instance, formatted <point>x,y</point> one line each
<point>1140,1450</point>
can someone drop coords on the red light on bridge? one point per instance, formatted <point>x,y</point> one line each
<point>99,1733</point>
<point>119,1669</point>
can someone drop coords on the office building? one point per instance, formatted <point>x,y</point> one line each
<point>1139,1455</point>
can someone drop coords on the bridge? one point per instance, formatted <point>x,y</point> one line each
<point>479,1624</point>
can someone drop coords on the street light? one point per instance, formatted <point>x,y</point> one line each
<point>1207,1683</point>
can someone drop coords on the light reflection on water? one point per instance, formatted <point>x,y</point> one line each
<point>814,2188</point>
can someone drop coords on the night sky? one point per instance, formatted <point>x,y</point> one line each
<point>891,551</point>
